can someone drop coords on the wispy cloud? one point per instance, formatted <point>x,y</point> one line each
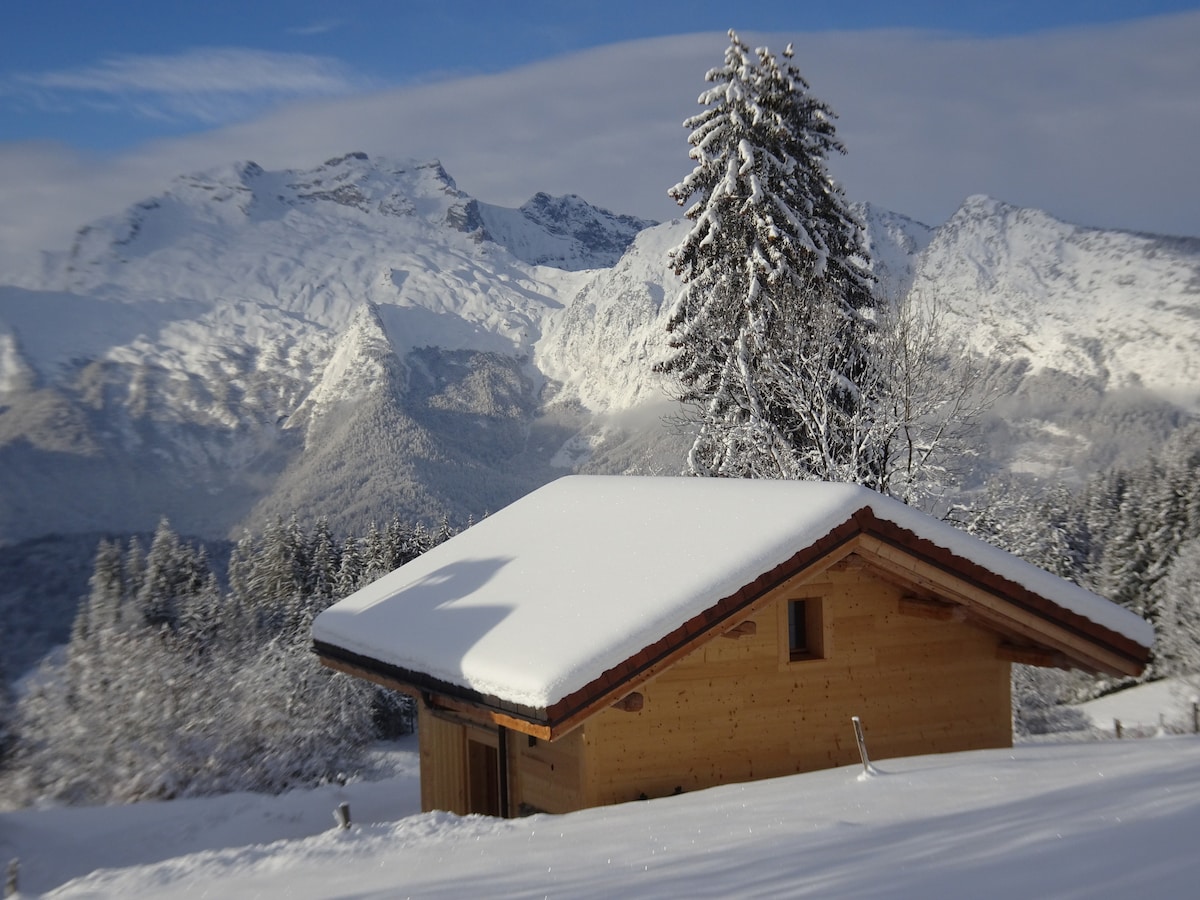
<point>1096,125</point>
<point>323,27</point>
<point>210,85</point>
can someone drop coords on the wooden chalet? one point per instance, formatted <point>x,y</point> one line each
<point>610,639</point>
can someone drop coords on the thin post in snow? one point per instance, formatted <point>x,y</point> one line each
<point>11,876</point>
<point>1196,717</point>
<point>342,814</point>
<point>1117,728</point>
<point>868,769</point>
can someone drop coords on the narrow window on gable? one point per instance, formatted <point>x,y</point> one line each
<point>805,630</point>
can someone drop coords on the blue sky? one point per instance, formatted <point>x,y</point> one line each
<point>95,74</point>
<point>102,102</point>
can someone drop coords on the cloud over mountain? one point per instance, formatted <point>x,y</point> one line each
<point>1093,124</point>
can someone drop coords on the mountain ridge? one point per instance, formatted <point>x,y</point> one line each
<point>235,341</point>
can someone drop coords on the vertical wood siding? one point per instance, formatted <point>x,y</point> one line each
<point>443,749</point>
<point>737,710</point>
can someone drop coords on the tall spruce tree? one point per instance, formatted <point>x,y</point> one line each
<point>769,338</point>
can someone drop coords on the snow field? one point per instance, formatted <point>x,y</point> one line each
<point>1103,819</point>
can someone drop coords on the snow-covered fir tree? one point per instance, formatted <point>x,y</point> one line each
<point>1178,646</point>
<point>1131,534</point>
<point>8,708</point>
<point>1143,523</point>
<point>769,338</point>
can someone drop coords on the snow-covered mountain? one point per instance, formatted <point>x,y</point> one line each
<point>1116,308</point>
<point>185,356</point>
<point>363,339</point>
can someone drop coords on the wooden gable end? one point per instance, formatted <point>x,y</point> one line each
<point>1032,629</point>
<point>745,708</point>
<point>1040,632</point>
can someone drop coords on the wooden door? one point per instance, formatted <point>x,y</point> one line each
<point>483,779</point>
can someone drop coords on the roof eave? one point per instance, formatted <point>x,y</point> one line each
<point>1092,646</point>
<point>435,691</point>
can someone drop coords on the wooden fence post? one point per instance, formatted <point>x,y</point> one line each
<point>868,769</point>
<point>1117,728</point>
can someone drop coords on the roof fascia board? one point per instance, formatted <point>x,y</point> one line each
<point>999,613</point>
<point>975,581</point>
<point>485,709</point>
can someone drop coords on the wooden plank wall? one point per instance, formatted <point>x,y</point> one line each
<point>543,776</point>
<point>443,746</point>
<point>547,776</point>
<point>737,710</point>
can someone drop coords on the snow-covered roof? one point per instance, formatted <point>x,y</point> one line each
<point>540,599</point>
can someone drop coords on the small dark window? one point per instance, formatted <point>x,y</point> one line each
<point>805,629</point>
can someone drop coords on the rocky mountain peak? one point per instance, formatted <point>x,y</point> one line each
<point>564,232</point>
<point>363,362</point>
<point>893,244</point>
<point>1119,308</point>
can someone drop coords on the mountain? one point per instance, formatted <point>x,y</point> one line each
<point>1116,308</point>
<point>363,340</point>
<point>250,330</point>
<point>1099,331</point>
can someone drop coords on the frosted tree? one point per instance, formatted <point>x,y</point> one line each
<point>420,540</point>
<point>171,688</point>
<point>929,396</point>
<point>107,596</point>
<point>323,563</point>
<point>275,576</point>
<point>350,569</point>
<point>375,557</point>
<point>1178,649</point>
<point>1140,520</point>
<point>171,572</point>
<point>397,538</point>
<point>134,567</point>
<point>769,338</point>
<point>7,714</point>
<point>203,616</point>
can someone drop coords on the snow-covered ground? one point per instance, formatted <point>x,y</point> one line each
<point>1101,819</point>
<point>57,845</point>
<point>1147,708</point>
